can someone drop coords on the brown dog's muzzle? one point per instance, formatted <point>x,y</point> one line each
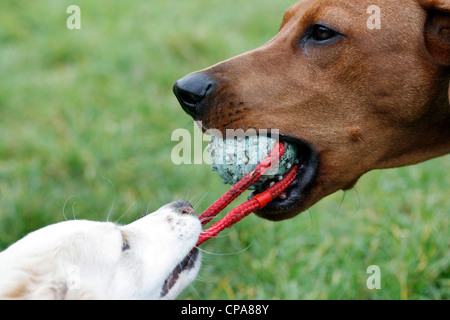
<point>200,95</point>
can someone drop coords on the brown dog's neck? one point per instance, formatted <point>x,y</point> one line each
<point>428,138</point>
<point>440,141</point>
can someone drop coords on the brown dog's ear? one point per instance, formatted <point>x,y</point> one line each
<point>437,29</point>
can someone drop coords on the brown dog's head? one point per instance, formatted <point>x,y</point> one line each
<point>356,86</point>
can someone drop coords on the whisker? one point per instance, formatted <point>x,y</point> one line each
<point>200,201</point>
<point>195,291</point>
<point>204,280</point>
<point>65,203</point>
<point>73,211</point>
<point>187,196</point>
<point>340,204</point>
<point>213,236</point>
<point>225,254</point>
<point>148,208</point>
<point>359,199</point>
<point>188,123</point>
<point>126,211</point>
<point>114,199</point>
<point>311,218</point>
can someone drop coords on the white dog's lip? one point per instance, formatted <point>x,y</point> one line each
<point>186,264</point>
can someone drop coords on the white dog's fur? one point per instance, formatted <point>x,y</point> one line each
<point>101,260</point>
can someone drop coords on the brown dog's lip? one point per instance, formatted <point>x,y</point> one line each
<point>298,191</point>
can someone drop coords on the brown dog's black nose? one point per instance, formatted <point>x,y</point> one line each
<point>192,90</point>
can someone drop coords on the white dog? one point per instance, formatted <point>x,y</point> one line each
<point>152,258</point>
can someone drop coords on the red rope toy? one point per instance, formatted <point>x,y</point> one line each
<point>258,202</point>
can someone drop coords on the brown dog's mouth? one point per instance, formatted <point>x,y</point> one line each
<point>297,193</point>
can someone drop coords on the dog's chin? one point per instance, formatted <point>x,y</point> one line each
<point>181,276</point>
<point>296,197</point>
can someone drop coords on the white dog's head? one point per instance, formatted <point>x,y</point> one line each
<point>151,258</point>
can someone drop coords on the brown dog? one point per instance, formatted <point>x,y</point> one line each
<point>352,97</point>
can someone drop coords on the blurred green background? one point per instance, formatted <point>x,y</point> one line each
<point>86,118</point>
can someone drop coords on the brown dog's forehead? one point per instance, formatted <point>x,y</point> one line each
<point>351,19</point>
<point>308,10</point>
<point>344,11</point>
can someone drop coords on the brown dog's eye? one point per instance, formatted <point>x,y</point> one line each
<point>318,35</point>
<point>321,33</point>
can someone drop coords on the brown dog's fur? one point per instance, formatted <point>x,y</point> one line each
<point>373,99</point>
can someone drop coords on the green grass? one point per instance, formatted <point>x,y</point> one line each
<point>86,118</point>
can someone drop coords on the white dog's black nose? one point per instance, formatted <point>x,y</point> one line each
<point>182,207</point>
